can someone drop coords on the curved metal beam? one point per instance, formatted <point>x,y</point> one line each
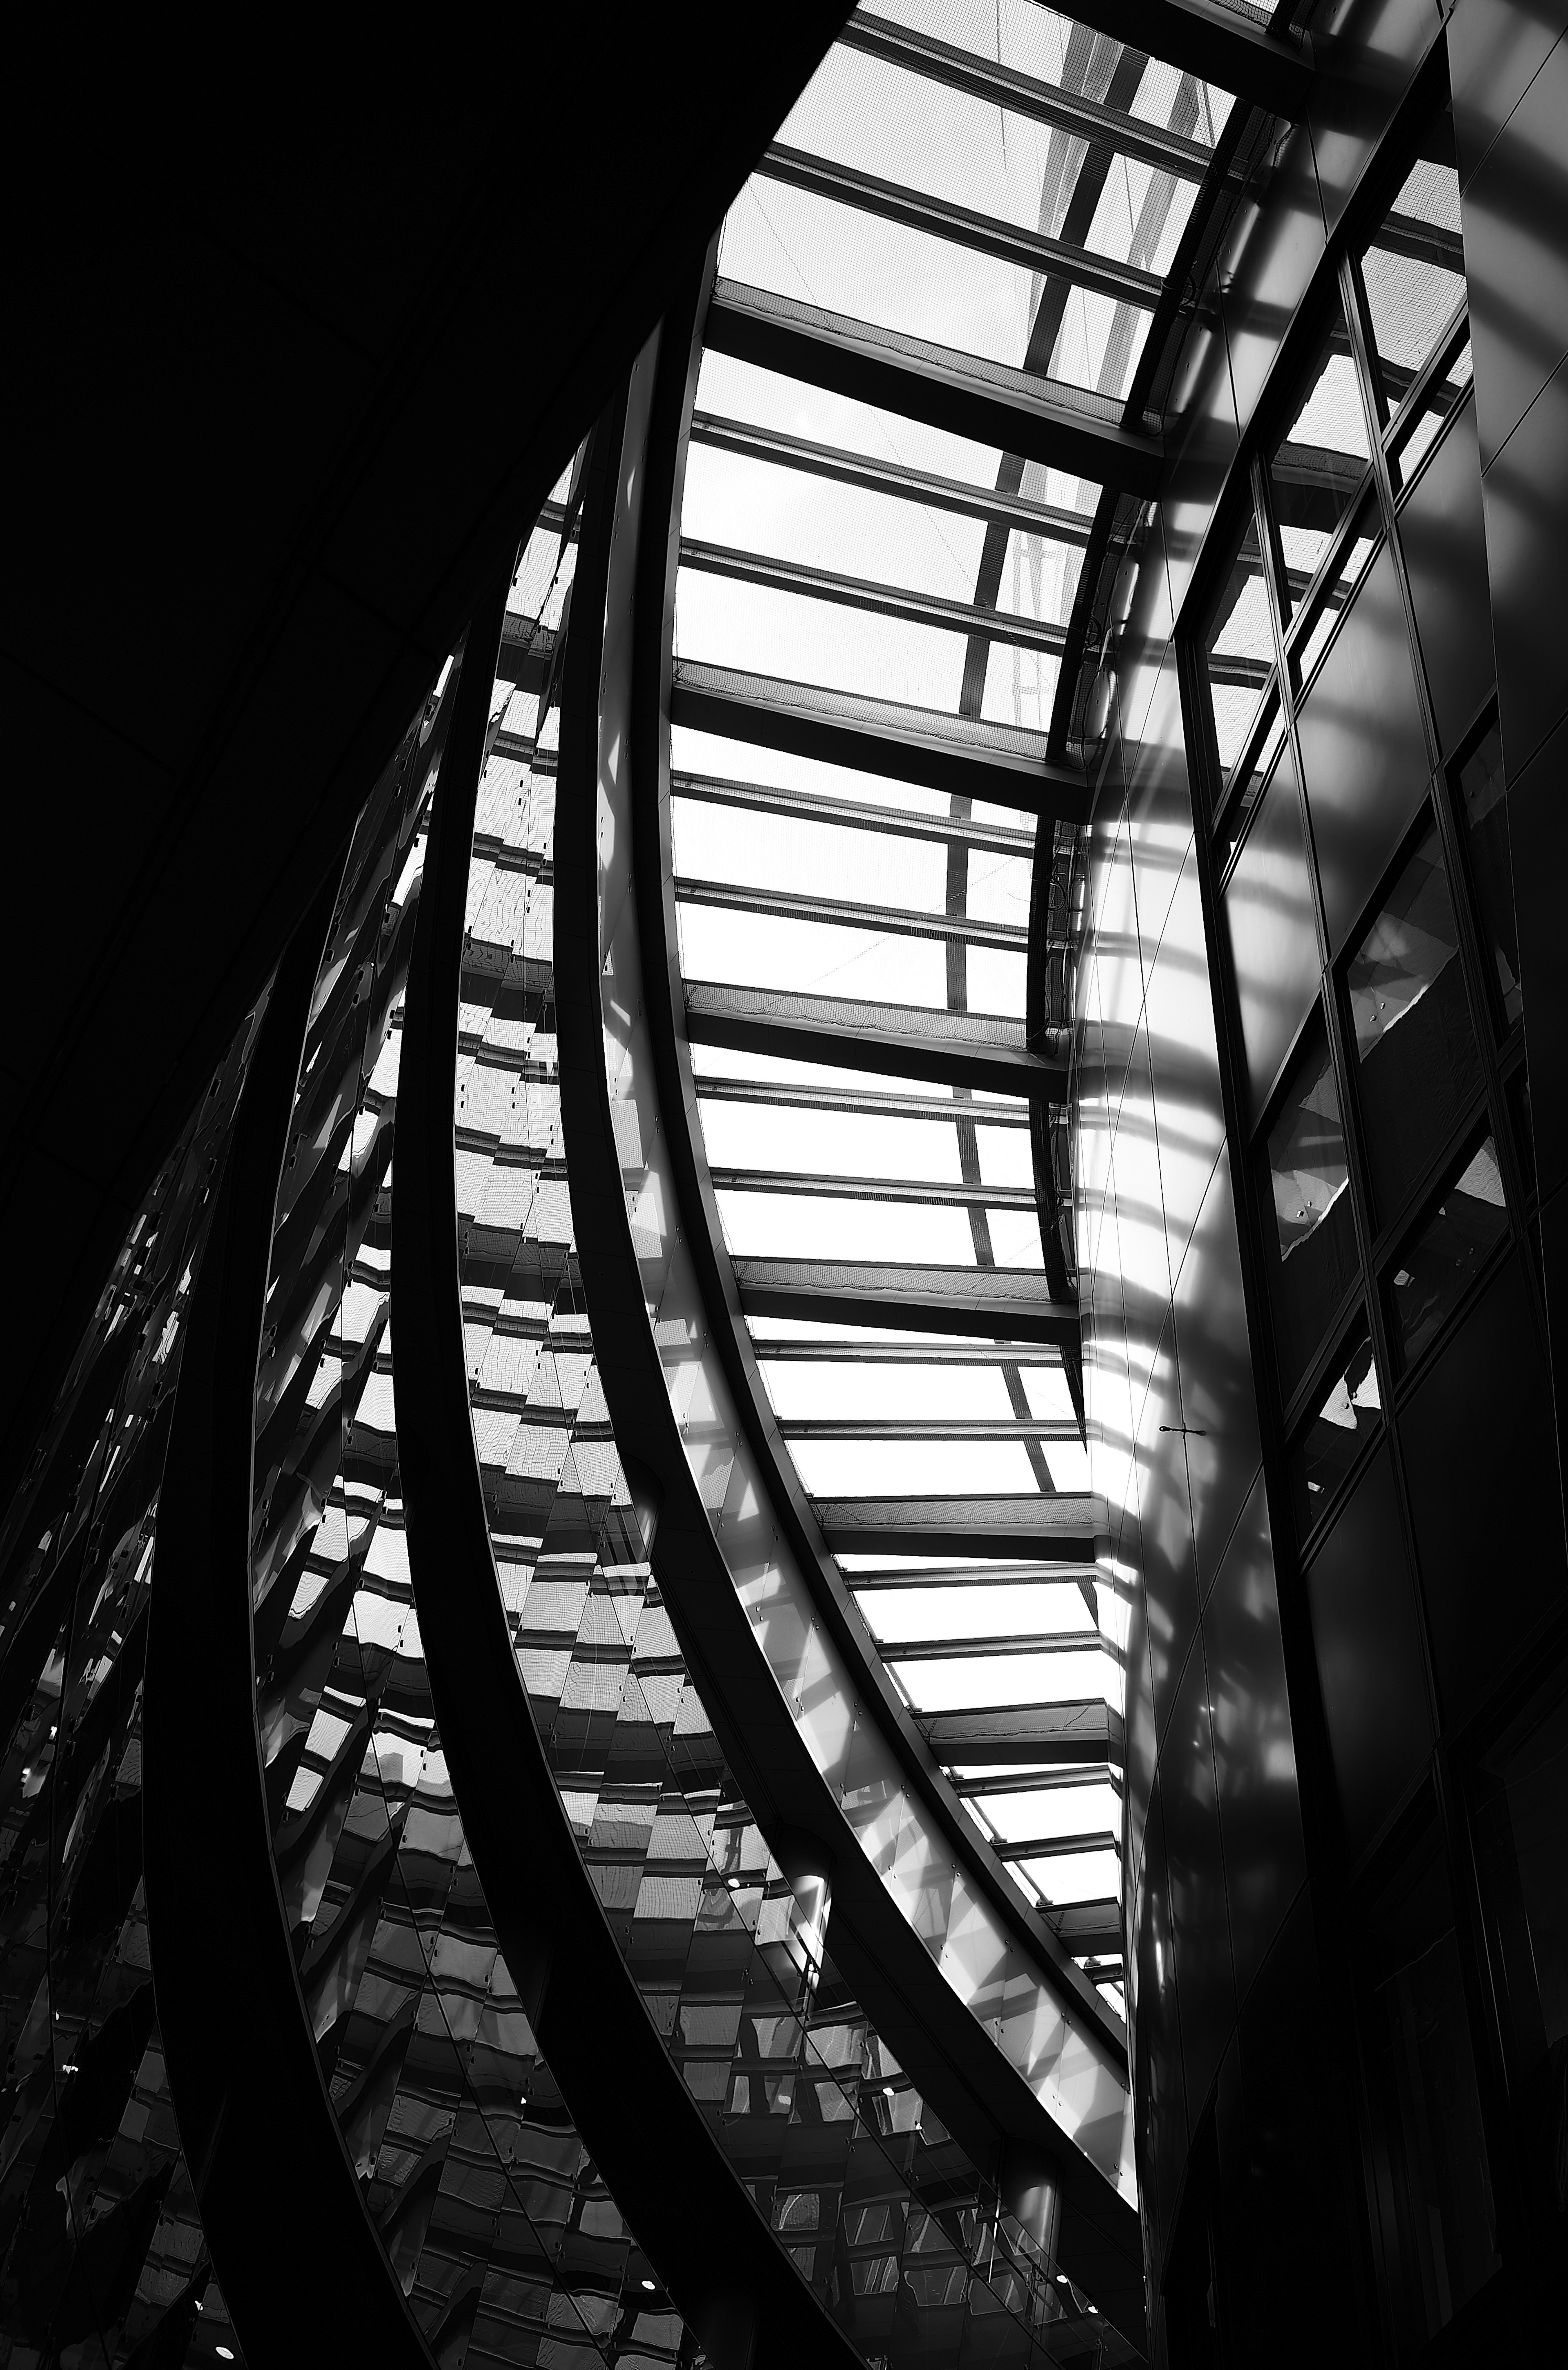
<point>259,2132</point>
<point>725,2271</point>
<point>804,1741</point>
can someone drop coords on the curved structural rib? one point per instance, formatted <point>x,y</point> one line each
<point>261,2137</point>
<point>1030,2077</point>
<point>723,2269</point>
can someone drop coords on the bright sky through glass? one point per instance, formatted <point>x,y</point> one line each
<point>810,555</point>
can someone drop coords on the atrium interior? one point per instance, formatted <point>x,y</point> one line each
<point>783,1573</point>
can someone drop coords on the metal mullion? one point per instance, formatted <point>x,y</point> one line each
<point>1049,1778</point>
<point>933,611</point>
<point>1364,345</point>
<point>1002,937</point>
<point>956,1429</point>
<point>773,447</point>
<point>1496,2121</point>
<point>810,1185</point>
<point>854,1351</point>
<point>848,814</point>
<point>966,1650</point>
<point>1039,1573</point>
<point>1322,1820</point>
<point>716,1087</point>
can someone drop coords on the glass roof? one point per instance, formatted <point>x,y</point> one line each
<point>991,178</point>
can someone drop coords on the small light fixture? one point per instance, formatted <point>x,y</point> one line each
<point>224,2352</point>
<point>648,2286</point>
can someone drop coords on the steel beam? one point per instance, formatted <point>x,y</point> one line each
<point>1060,1529</point>
<point>1211,42</point>
<point>1010,1733</point>
<point>982,1648</point>
<point>1009,1304</point>
<point>931,609</point>
<point>893,1040</point>
<point>679,2192</point>
<point>860,1101</point>
<point>1023,94</point>
<point>843,913</point>
<point>935,1428</point>
<point>1004,242</point>
<point>1010,411</point>
<point>854,815</point>
<point>872,474</point>
<point>821,1185</point>
<point>996,764</point>
<point>1059,1847</point>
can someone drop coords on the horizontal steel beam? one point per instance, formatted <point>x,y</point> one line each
<point>1032,1574</point>
<point>819,1185</point>
<point>1059,1847</point>
<point>996,764</point>
<point>1211,42</point>
<point>1009,1304</point>
<point>906,608</point>
<point>858,1351</point>
<point>1088,1927</point>
<point>898,1040</point>
<point>938,1428</point>
<point>527,652</point>
<point>975,1650</point>
<point>854,815</point>
<point>871,474</point>
<point>1008,1733</point>
<point>849,913</point>
<point>1010,411</point>
<point>1004,242</point>
<point>1061,1529</point>
<point>1035,1781</point>
<point>863,1102</point>
<point>1024,94</point>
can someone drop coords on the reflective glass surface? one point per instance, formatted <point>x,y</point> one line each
<point>1340,576</point>
<point>1484,806</point>
<point>1308,1185</point>
<point>1318,468</point>
<point>1250,778</point>
<point>1418,1063</point>
<point>104,2251</point>
<point>1333,1438</point>
<point>1240,648</point>
<point>1436,1267</point>
<point>1521,1825</point>
<point>1417,432</point>
<point>1414,271</point>
<point>1431,2177</point>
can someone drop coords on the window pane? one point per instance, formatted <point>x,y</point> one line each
<point>1484,801</point>
<point>1249,776</point>
<point>1314,1228</point>
<point>1320,464</point>
<point>1419,433</point>
<point>1521,1830</point>
<point>1240,648</point>
<point>1414,271</point>
<point>1340,579</point>
<point>1413,1039</point>
<point>1349,1415</point>
<point>1435,1268</point>
<point>1434,2187</point>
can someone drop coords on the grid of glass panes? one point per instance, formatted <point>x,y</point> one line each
<point>1392,1168</point>
<point>866,555</point>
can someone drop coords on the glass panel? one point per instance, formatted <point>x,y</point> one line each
<point>1434,2187</point>
<point>1436,1266</point>
<point>1240,648</point>
<point>1321,463</point>
<point>1348,1416</point>
<point>1249,776</point>
<point>1521,1831</point>
<point>1442,392</point>
<point>1339,579</point>
<point>1314,1232</point>
<point>1414,271</point>
<point>1483,803</point>
<point>1413,1039</point>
